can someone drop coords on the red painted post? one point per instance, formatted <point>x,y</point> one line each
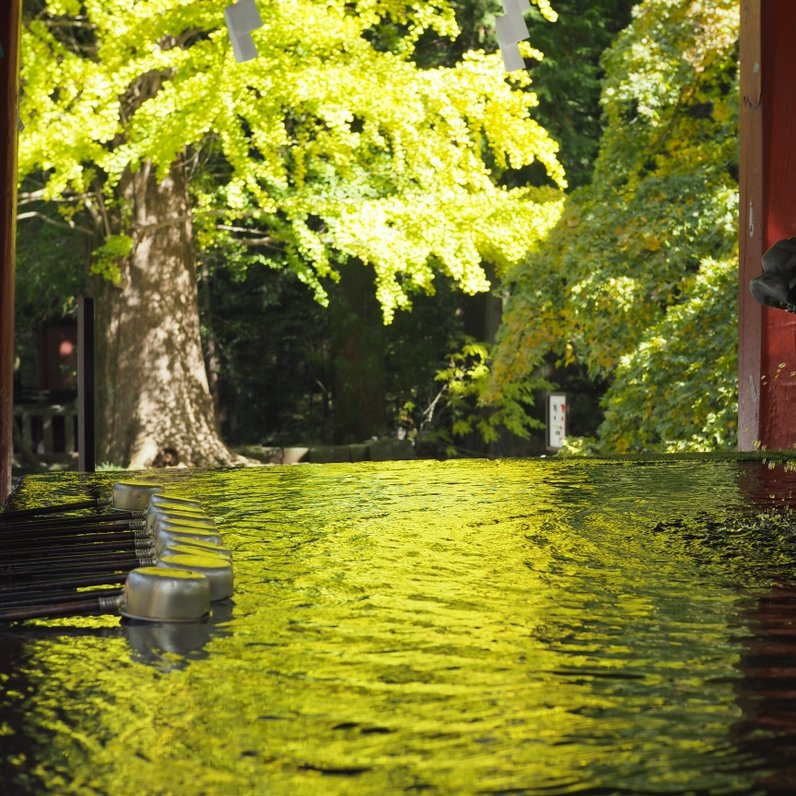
<point>767,337</point>
<point>778,396</point>
<point>9,86</point>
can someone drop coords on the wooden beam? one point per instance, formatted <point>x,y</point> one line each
<point>9,88</point>
<point>86,445</point>
<point>751,225</point>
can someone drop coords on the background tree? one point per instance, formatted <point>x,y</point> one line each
<point>567,83</point>
<point>327,149</point>
<point>638,280</point>
<point>277,356</point>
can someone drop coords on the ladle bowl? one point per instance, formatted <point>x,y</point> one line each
<point>218,571</point>
<point>185,533</point>
<point>197,547</point>
<point>161,498</point>
<point>133,495</point>
<point>165,594</point>
<point>159,516</point>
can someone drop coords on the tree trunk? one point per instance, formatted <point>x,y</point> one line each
<point>154,406</point>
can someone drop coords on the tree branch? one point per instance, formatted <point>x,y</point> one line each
<point>26,197</point>
<point>53,222</point>
<point>263,240</point>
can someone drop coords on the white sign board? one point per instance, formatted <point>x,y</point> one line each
<point>556,420</point>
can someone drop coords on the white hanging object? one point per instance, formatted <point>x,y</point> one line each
<point>516,6</point>
<point>511,29</point>
<point>512,60</point>
<point>242,18</point>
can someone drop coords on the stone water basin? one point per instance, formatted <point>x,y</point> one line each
<point>521,626</point>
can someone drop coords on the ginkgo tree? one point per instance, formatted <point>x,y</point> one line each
<point>329,146</point>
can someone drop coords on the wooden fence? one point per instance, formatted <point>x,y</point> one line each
<point>45,433</point>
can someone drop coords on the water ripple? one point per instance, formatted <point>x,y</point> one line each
<point>598,627</point>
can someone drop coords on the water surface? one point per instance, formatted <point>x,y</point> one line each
<point>551,627</point>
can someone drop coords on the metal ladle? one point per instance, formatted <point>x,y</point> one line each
<point>125,496</point>
<point>150,594</point>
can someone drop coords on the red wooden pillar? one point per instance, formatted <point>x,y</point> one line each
<point>767,342</point>
<point>9,79</point>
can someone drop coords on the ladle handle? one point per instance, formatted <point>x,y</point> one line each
<point>68,522</point>
<point>75,555</point>
<point>68,608</point>
<point>43,598</point>
<point>110,533</point>
<point>18,589</point>
<point>96,567</point>
<point>14,516</point>
<point>61,547</point>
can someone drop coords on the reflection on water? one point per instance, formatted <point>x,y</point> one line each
<point>461,627</point>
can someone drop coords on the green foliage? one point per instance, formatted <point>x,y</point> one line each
<point>106,257</point>
<point>568,80</point>
<point>266,316</point>
<point>677,391</point>
<point>418,345</point>
<point>475,20</point>
<point>108,467</point>
<point>271,346</point>
<point>330,148</point>
<point>645,254</point>
<point>51,260</point>
<point>464,381</point>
